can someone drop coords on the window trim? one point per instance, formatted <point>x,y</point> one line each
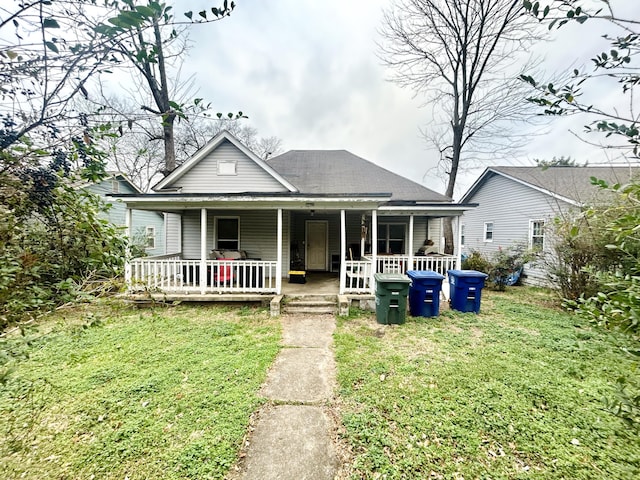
<point>216,240</point>
<point>488,230</point>
<point>532,223</point>
<point>150,237</point>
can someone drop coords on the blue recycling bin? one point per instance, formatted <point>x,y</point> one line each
<point>465,289</point>
<point>424,293</point>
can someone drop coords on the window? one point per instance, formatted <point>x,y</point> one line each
<point>536,234</point>
<point>391,237</point>
<point>462,235</point>
<point>488,231</point>
<point>226,167</point>
<point>115,186</point>
<point>150,237</point>
<point>228,233</point>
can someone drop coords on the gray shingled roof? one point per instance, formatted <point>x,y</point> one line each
<point>570,182</point>
<point>342,172</point>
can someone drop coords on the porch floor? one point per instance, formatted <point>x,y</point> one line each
<point>318,283</point>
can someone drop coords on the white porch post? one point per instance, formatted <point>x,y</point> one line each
<point>279,257</point>
<point>374,248</point>
<point>456,247</point>
<point>343,250</point>
<point>203,251</point>
<point>128,222</point>
<point>410,262</point>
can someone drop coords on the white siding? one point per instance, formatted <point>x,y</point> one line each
<point>509,206</point>
<point>258,235</point>
<point>203,177</point>
<point>173,226</point>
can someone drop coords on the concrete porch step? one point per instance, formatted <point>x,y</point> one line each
<point>311,310</point>
<point>311,304</point>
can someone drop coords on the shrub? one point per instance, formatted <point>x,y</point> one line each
<point>502,265</point>
<point>55,244</point>
<point>476,261</point>
<point>507,262</point>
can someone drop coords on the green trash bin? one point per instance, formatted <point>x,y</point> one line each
<point>391,297</point>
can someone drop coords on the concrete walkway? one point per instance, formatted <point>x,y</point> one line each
<point>293,436</point>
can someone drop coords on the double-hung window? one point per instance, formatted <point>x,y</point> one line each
<point>391,237</point>
<point>228,233</point>
<point>536,234</point>
<point>150,237</point>
<point>488,231</point>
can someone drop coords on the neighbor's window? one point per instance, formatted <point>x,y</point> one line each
<point>150,237</point>
<point>228,233</point>
<point>462,235</point>
<point>536,234</point>
<point>391,237</point>
<point>115,186</point>
<point>226,167</point>
<point>488,231</point>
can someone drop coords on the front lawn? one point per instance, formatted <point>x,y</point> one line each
<point>513,393</point>
<point>112,392</point>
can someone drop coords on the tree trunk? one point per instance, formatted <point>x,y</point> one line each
<point>169,143</point>
<point>453,174</point>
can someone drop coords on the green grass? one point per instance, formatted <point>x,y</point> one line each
<point>513,393</point>
<point>112,392</point>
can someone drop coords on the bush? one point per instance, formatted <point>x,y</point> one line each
<point>55,244</point>
<point>502,265</point>
<point>508,262</point>
<point>476,261</point>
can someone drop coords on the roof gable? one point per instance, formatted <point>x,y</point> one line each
<point>224,165</point>
<point>570,184</point>
<point>342,172</point>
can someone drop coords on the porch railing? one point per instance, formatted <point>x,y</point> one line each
<point>175,275</point>
<point>400,263</point>
<point>436,263</point>
<point>358,276</point>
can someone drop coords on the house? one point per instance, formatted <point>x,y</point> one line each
<point>147,227</point>
<point>517,204</point>
<point>244,224</point>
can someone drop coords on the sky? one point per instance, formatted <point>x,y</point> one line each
<point>307,72</point>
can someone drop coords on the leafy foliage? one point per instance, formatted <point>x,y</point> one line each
<point>54,243</point>
<point>617,66</point>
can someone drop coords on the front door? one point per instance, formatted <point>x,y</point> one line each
<point>316,244</point>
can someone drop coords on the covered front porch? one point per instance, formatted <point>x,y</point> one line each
<point>312,236</point>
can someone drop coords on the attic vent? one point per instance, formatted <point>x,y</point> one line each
<point>226,167</point>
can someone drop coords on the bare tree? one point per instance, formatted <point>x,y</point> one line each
<point>463,56</point>
<point>196,134</point>
<point>135,146</point>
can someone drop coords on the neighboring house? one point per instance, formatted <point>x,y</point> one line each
<point>244,223</point>
<point>147,228</point>
<point>517,204</point>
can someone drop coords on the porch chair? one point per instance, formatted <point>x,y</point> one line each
<point>223,275</point>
